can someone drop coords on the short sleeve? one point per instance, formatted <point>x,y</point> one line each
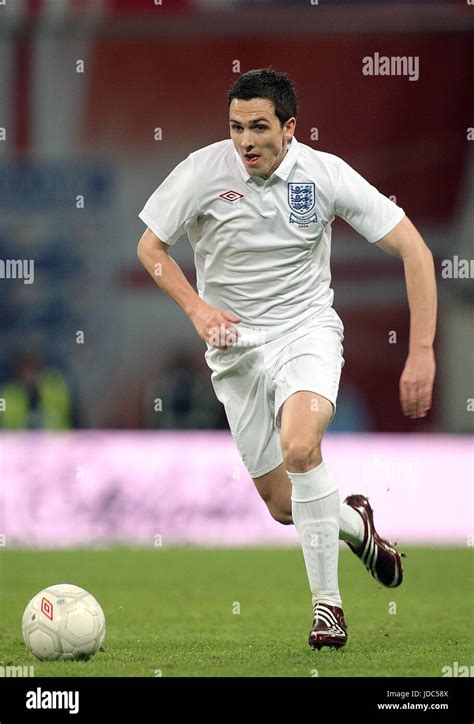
<point>173,205</point>
<point>359,203</point>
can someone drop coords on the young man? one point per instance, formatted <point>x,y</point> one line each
<point>257,210</point>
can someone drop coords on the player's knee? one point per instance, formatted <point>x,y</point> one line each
<point>280,513</point>
<point>300,456</point>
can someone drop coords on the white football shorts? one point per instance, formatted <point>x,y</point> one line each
<point>253,383</point>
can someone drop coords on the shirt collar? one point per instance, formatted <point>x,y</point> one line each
<point>284,168</point>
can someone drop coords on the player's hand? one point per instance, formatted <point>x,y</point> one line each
<point>416,383</point>
<point>215,326</point>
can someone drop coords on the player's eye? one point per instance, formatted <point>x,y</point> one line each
<point>259,128</point>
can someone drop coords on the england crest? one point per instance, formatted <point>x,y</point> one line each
<point>302,200</point>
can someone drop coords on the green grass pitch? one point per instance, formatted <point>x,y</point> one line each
<point>174,611</point>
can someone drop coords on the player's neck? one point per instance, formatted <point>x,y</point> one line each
<point>277,163</point>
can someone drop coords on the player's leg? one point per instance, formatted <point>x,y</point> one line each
<point>356,525</point>
<point>315,510</point>
<point>275,489</point>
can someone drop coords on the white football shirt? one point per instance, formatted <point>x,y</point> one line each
<point>262,247</point>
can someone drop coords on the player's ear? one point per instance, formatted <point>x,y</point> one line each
<point>289,129</point>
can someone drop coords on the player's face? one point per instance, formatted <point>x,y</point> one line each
<point>258,135</point>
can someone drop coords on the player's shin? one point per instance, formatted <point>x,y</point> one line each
<point>316,511</point>
<point>351,525</point>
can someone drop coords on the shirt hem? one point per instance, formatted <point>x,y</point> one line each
<point>165,238</point>
<point>387,228</point>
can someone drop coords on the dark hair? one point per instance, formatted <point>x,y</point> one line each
<point>266,83</point>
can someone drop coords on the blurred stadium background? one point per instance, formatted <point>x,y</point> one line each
<point>98,102</point>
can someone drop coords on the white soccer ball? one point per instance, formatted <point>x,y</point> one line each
<point>63,622</point>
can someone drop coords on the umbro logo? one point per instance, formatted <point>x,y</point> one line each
<point>231,196</point>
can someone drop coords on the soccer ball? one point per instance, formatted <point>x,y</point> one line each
<point>63,622</point>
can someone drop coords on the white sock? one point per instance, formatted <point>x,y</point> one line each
<point>351,525</point>
<point>316,510</point>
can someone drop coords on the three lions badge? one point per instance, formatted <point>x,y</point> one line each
<point>302,200</point>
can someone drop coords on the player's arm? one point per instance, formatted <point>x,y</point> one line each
<point>416,382</point>
<point>153,254</point>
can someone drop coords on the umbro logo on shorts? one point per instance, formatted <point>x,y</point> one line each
<point>231,196</point>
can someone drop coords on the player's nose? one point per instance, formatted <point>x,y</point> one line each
<point>246,143</point>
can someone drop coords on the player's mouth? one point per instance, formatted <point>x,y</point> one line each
<point>251,158</point>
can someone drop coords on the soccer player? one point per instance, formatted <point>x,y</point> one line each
<point>257,210</point>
